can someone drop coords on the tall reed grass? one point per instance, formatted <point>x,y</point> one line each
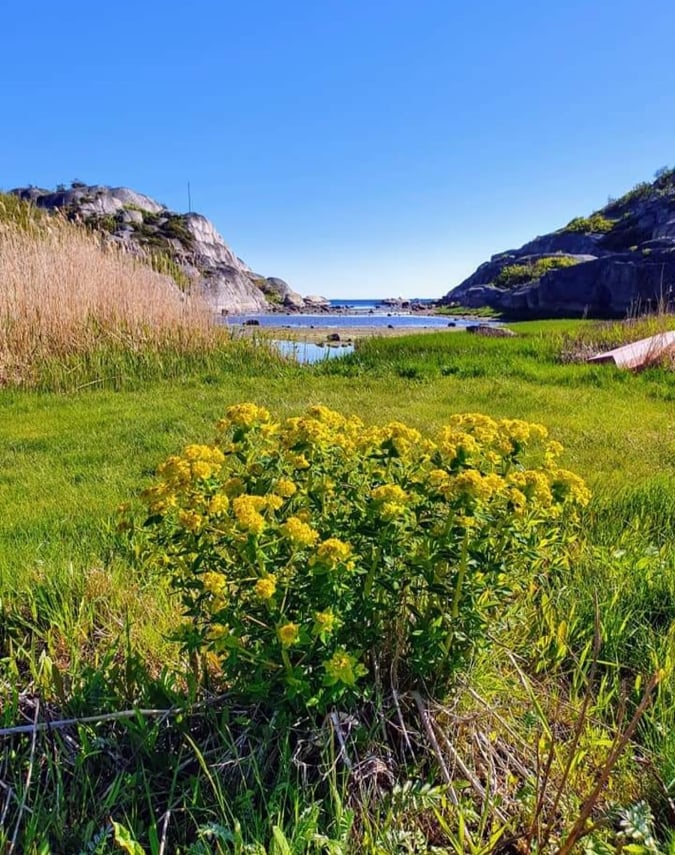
<point>64,293</point>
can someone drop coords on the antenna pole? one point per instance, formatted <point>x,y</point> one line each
<point>189,199</point>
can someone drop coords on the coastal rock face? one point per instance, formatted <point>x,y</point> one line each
<point>619,260</point>
<point>188,246</point>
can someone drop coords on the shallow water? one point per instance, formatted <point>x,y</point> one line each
<point>356,319</point>
<point>306,352</point>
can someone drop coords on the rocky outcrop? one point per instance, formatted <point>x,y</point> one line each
<point>314,301</point>
<point>280,293</point>
<point>619,260</point>
<point>186,246</point>
<point>89,199</point>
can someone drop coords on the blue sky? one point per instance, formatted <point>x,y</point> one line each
<point>352,148</point>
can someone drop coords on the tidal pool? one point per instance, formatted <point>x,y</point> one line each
<point>307,352</point>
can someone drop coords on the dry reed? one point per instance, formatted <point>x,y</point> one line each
<point>64,293</point>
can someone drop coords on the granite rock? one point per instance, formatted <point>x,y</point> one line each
<point>620,260</point>
<point>145,227</point>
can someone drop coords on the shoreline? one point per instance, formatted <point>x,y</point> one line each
<point>321,334</point>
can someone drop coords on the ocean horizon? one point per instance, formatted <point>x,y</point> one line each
<point>373,302</point>
<point>366,312</point>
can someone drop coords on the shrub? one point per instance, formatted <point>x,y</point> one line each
<point>595,224</point>
<point>319,560</point>
<point>175,227</point>
<point>518,274</point>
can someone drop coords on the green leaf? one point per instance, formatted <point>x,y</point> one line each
<point>281,845</point>
<point>125,841</point>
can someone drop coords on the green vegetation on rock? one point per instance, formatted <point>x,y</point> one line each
<point>518,274</point>
<point>595,224</point>
<point>162,262</point>
<point>662,185</point>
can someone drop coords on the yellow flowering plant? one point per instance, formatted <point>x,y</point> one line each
<point>318,557</point>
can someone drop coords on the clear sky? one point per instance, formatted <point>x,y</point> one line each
<point>352,147</point>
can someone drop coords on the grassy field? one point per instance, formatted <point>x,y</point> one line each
<point>67,461</point>
<point>85,632</point>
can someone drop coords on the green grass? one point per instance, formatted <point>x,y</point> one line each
<point>87,632</point>
<point>67,461</point>
<point>465,311</point>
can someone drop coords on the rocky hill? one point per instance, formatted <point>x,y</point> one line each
<point>619,259</point>
<point>186,246</point>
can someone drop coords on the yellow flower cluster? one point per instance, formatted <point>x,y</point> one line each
<point>266,587</point>
<point>190,520</point>
<point>392,510</point>
<point>324,622</point>
<point>523,432</point>
<point>553,451</point>
<point>471,450</point>
<point>571,485</point>
<point>452,440</point>
<point>475,433</point>
<point>306,431</point>
<point>218,505</point>
<point>247,513</point>
<point>261,503</point>
<point>197,462</point>
<point>214,583</point>
<point>332,552</point>
<point>273,502</point>
<point>245,415</point>
<point>298,461</point>
<point>175,471</point>
<point>341,667</point>
<point>288,634</point>
<point>286,488</point>
<point>322,427</point>
<point>402,438</point>
<point>482,487</point>
<point>208,453</point>
<point>391,499</point>
<point>329,417</point>
<point>390,493</point>
<point>439,480</point>
<point>299,532</point>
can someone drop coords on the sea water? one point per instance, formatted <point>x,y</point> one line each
<point>368,313</point>
<point>351,313</point>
